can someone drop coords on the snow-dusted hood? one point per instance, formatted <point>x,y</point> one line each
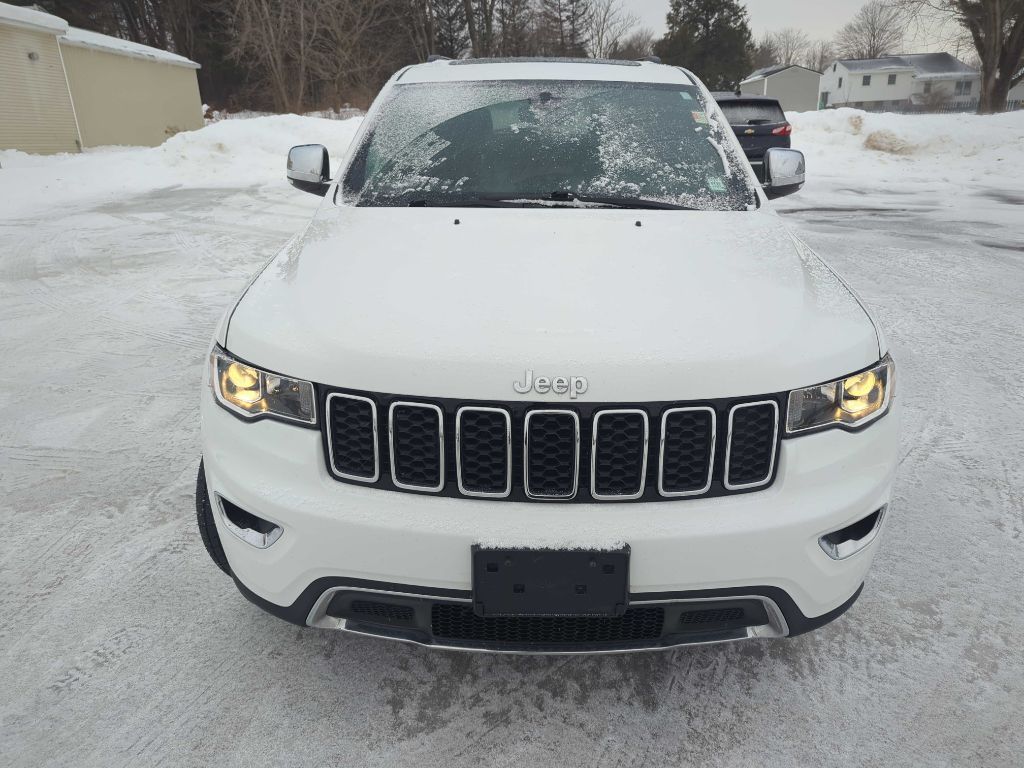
<point>647,305</point>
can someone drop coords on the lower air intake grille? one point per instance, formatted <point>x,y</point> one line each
<point>459,622</point>
<point>416,446</point>
<point>711,615</point>
<point>401,614</point>
<point>751,452</point>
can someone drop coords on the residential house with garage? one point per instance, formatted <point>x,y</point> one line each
<point>910,82</point>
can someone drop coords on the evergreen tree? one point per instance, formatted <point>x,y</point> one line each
<point>564,27</point>
<point>710,37</point>
<point>451,35</point>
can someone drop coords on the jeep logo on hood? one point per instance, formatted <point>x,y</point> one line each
<point>574,386</point>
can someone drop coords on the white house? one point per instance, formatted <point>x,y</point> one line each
<point>917,80</point>
<point>793,86</point>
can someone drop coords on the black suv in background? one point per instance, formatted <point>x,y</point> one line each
<point>758,122</point>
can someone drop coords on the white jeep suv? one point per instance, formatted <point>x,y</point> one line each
<point>547,373</point>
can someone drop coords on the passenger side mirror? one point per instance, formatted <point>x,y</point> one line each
<point>784,171</point>
<point>309,168</point>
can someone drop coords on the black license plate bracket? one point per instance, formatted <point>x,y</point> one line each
<point>550,582</point>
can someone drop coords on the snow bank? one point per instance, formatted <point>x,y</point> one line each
<point>231,153</point>
<point>949,136</point>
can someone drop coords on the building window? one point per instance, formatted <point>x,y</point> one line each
<point>962,88</point>
<point>892,79</point>
<point>927,88</point>
<point>840,82</point>
<point>866,80</point>
<point>833,67</point>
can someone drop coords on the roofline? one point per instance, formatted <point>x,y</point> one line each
<point>780,71</point>
<point>180,61</point>
<point>33,20</point>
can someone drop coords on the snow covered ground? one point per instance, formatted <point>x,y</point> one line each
<point>123,645</point>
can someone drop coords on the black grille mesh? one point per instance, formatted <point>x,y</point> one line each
<point>751,447</point>
<point>483,451</point>
<point>711,615</point>
<point>351,426</point>
<point>619,454</point>
<point>459,622</point>
<point>399,614</point>
<point>416,445</point>
<point>551,459</point>
<point>687,451</point>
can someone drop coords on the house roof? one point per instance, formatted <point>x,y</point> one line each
<point>83,38</point>
<point>925,65</point>
<point>775,69</point>
<point>29,18</point>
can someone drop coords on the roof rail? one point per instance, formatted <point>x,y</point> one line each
<point>437,57</point>
<point>652,59</point>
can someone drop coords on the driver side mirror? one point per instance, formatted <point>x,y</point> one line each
<point>784,171</point>
<point>309,168</point>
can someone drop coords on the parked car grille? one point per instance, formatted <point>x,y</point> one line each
<point>522,451</point>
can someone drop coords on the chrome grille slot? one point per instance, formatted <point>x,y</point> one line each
<point>750,452</point>
<point>551,448</point>
<point>687,459</point>
<point>352,437</point>
<point>483,451</point>
<point>416,437</point>
<point>618,456</point>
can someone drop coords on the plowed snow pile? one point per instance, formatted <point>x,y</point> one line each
<point>230,153</point>
<point>856,143</point>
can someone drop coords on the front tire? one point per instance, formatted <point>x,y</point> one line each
<point>207,527</point>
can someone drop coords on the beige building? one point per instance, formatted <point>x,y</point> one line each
<point>63,88</point>
<point>793,86</point>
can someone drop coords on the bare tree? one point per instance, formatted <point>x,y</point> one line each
<point>609,23</point>
<point>480,17</point>
<point>819,55</point>
<point>876,30</point>
<point>996,28</point>
<point>638,45</point>
<point>766,52</point>
<point>277,39</point>
<point>791,45</point>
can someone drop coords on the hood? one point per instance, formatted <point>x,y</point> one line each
<point>646,305</point>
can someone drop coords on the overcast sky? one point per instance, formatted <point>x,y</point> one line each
<point>820,19</point>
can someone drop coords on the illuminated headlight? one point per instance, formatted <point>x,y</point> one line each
<point>252,393</point>
<point>851,402</point>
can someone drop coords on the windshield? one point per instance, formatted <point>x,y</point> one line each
<point>546,143</point>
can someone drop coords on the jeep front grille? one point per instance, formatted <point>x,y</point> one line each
<point>538,452</point>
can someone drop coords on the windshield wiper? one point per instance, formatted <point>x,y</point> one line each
<point>616,201</point>
<point>559,196</point>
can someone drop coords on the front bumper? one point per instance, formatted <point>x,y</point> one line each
<point>336,536</point>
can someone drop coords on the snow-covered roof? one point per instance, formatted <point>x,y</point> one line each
<point>83,38</point>
<point>542,69</point>
<point>775,69</point>
<point>29,18</point>
<point>926,66</point>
